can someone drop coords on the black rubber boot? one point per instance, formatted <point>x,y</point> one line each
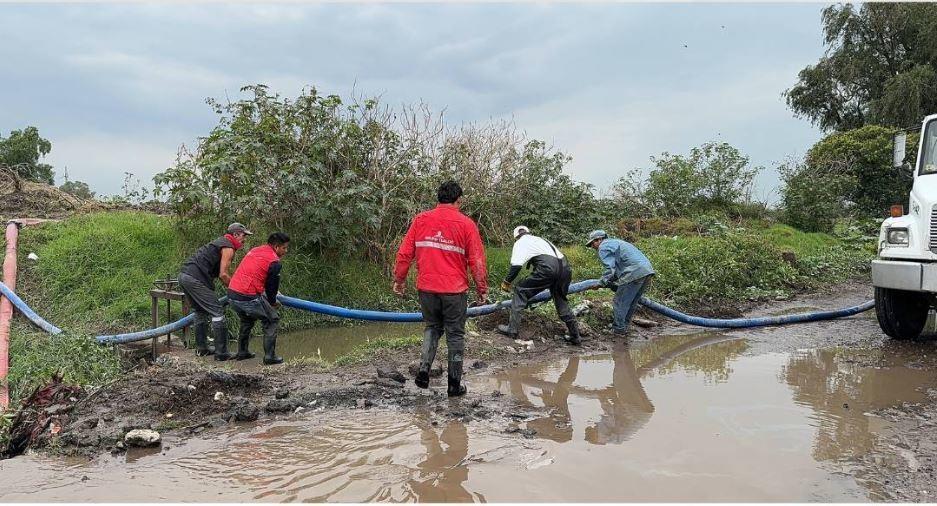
<point>201,340</point>
<point>244,339</point>
<point>506,330</point>
<point>270,347</point>
<point>574,338</point>
<point>220,332</point>
<point>422,377</point>
<point>456,388</point>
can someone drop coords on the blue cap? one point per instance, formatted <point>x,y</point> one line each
<point>596,234</point>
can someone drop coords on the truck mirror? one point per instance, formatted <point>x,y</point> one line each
<point>898,153</point>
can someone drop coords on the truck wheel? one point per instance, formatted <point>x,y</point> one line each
<point>901,314</point>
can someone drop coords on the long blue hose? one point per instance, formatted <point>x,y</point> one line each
<point>387,316</point>
<point>27,311</point>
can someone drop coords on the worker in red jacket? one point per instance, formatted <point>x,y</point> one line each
<point>252,294</point>
<point>444,242</point>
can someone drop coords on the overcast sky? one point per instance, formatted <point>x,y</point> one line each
<point>119,88</point>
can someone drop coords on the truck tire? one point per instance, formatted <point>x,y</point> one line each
<point>901,314</point>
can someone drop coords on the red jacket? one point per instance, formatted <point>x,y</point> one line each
<point>257,273</point>
<point>444,242</point>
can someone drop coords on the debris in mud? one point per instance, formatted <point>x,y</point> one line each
<point>582,308</point>
<point>219,396</point>
<point>390,372</point>
<point>479,364</point>
<point>281,393</point>
<point>363,403</point>
<point>435,370</point>
<point>142,438</point>
<point>46,408</point>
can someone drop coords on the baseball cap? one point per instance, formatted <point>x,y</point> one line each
<point>518,230</point>
<point>596,234</point>
<point>237,227</point>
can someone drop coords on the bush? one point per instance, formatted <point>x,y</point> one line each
<point>713,178</point>
<point>349,178</point>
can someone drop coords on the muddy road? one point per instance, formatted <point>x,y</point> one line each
<point>818,412</point>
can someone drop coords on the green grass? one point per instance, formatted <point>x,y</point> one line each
<point>94,273</point>
<point>368,351</point>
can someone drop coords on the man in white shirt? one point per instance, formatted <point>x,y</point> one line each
<point>550,271</point>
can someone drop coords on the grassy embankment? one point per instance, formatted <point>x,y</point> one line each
<point>94,272</point>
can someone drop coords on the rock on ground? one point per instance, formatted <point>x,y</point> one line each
<point>142,438</point>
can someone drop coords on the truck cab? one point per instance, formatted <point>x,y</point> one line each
<point>905,273</point>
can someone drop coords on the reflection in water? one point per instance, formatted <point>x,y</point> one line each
<point>624,405</point>
<point>842,385</point>
<point>442,474</point>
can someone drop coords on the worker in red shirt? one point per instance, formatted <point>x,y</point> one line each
<point>252,294</point>
<point>444,242</point>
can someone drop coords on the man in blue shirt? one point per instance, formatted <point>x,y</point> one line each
<point>627,272</point>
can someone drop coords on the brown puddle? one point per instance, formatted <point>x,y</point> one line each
<point>680,418</point>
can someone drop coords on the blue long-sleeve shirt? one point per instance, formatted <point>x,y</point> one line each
<point>623,262</point>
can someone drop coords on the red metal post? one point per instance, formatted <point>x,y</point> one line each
<point>6,310</point>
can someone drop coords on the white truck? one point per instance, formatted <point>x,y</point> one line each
<point>905,273</point>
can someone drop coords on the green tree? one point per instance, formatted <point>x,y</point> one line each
<point>714,177</point>
<point>846,174</point>
<point>79,189</point>
<point>22,151</point>
<point>879,67</point>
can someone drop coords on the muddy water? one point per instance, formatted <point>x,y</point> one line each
<point>683,418</point>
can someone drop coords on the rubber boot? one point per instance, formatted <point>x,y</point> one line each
<point>201,341</point>
<point>270,346</point>
<point>574,338</point>
<point>244,339</point>
<point>422,377</point>
<point>512,329</point>
<point>220,332</point>
<point>456,388</point>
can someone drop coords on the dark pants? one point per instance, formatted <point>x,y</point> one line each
<point>203,299</point>
<point>626,301</point>
<point>249,311</point>
<point>443,312</point>
<point>549,273</point>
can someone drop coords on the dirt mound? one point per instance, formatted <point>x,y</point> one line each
<point>26,199</point>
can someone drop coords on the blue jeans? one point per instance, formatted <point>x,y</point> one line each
<point>626,301</point>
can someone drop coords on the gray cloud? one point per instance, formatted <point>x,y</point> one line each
<point>120,87</point>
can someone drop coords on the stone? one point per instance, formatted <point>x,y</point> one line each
<point>280,406</point>
<point>391,373</point>
<point>246,412</point>
<point>281,393</point>
<point>221,377</point>
<point>641,322</point>
<point>218,423</point>
<point>219,396</point>
<point>479,364</point>
<point>363,403</point>
<point>142,438</point>
<point>190,388</point>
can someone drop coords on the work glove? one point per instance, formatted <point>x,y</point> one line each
<point>505,286</point>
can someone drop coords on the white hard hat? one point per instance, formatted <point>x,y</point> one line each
<point>518,230</point>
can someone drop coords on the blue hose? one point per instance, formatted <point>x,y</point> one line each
<point>386,316</point>
<point>764,321</point>
<point>27,311</point>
